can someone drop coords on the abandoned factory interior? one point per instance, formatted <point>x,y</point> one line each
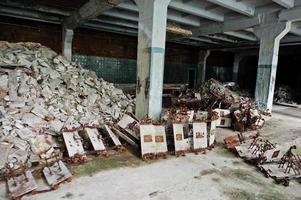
<point>150,99</point>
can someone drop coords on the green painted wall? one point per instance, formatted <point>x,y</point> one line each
<point>118,70</point>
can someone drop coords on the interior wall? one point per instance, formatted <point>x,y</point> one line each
<point>88,42</point>
<point>219,66</point>
<point>101,46</point>
<point>247,73</point>
<point>288,69</point>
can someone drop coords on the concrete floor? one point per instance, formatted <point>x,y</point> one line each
<point>216,175</point>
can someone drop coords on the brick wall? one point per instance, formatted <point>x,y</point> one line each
<point>87,42</point>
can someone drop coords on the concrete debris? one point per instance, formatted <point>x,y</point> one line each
<point>21,184</point>
<point>199,131</point>
<point>286,168</point>
<point>224,118</point>
<point>240,112</point>
<point>276,161</point>
<point>74,146</point>
<point>96,140</point>
<point>247,117</point>
<point>182,139</point>
<point>209,95</point>
<point>113,138</point>
<point>44,96</point>
<point>255,150</point>
<point>153,140</point>
<point>190,130</point>
<point>4,151</point>
<point>125,137</point>
<point>56,174</point>
<point>240,138</point>
<point>284,94</point>
<point>130,125</point>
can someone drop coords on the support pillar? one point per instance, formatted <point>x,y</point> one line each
<point>67,38</point>
<point>202,65</point>
<point>237,60</point>
<point>150,58</point>
<point>270,36</point>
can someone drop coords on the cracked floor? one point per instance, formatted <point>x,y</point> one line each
<point>217,175</point>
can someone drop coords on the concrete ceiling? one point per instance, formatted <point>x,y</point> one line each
<point>214,23</point>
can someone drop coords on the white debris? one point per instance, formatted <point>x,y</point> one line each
<point>41,93</point>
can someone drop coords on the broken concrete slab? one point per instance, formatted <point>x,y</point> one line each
<point>21,184</point>
<point>96,140</point>
<point>179,141</point>
<point>124,137</point>
<point>4,151</point>
<point>116,142</point>
<point>73,143</point>
<point>56,174</point>
<point>153,141</point>
<point>200,141</point>
<point>130,125</point>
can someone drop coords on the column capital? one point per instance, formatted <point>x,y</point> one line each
<point>272,30</point>
<point>203,54</point>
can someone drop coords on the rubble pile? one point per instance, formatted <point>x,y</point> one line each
<point>246,116</point>
<point>42,95</point>
<point>284,94</point>
<point>213,94</point>
<point>209,95</point>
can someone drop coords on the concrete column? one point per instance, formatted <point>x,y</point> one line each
<point>202,65</point>
<point>67,37</point>
<point>237,59</point>
<point>270,36</point>
<point>150,58</point>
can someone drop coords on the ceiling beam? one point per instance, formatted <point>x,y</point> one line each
<point>116,23</point>
<point>99,26</point>
<point>221,38</point>
<point>292,14</point>
<point>89,10</point>
<point>295,30</point>
<point>128,6</point>
<point>242,23</point>
<point>206,40</point>
<point>121,15</point>
<point>196,10</point>
<point>285,3</point>
<point>172,16</point>
<point>242,35</point>
<point>229,25</point>
<point>30,15</point>
<point>237,6</point>
<point>36,7</point>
